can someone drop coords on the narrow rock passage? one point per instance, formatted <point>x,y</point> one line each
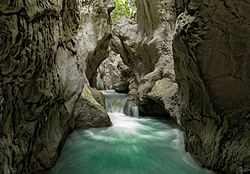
<point>131,146</point>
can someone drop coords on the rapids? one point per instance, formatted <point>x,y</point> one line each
<point>133,145</point>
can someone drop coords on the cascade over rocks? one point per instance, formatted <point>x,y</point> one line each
<point>145,46</point>
<point>212,65</point>
<point>44,92</point>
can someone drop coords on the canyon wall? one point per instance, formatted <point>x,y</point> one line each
<point>145,45</point>
<point>212,65</point>
<point>211,52</point>
<point>157,88</point>
<point>44,93</point>
<point>110,72</point>
<point>51,50</point>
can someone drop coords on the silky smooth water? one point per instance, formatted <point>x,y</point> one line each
<point>131,146</point>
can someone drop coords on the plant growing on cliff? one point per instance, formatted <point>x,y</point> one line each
<point>123,8</point>
<point>132,7</point>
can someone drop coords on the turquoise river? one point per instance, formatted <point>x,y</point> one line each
<point>133,145</point>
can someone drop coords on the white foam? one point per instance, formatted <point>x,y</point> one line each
<point>123,121</point>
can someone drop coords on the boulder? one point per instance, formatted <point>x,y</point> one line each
<point>130,108</point>
<point>89,113</point>
<point>165,93</point>
<point>99,97</point>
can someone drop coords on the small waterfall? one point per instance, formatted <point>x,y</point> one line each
<point>114,101</point>
<point>135,111</point>
<point>130,145</point>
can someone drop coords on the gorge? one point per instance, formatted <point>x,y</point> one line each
<point>182,60</point>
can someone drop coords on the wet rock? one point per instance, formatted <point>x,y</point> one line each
<point>89,113</point>
<point>130,108</point>
<point>164,93</point>
<point>211,56</point>
<point>99,97</point>
<point>44,46</point>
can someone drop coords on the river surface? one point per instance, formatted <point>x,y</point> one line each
<point>133,145</point>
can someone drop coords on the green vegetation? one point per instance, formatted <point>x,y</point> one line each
<point>124,8</point>
<point>132,7</point>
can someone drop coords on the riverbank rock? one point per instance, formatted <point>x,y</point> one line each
<point>99,97</point>
<point>211,53</point>
<point>44,47</point>
<point>89,113</point>
<point>164,93</point>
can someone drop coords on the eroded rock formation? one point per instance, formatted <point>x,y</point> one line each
<point>94,35</point>
<point>211,53</point>
<point>109,72</point>
<point>156,27</point>
<point>44,46</point>
<point>124,42</point>
<point>146,46</point>
<point>212,65</point>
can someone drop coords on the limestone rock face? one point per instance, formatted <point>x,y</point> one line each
<point>124,42</point>
<point>94,35</point>
<point>109,72</point>
<point>145,46</point>
<point>42,77</point>
<point>212,65</point>
<point>126,78</point>
<point>156,28</point>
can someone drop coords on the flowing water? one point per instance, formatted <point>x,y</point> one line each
<point>132,145</point>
